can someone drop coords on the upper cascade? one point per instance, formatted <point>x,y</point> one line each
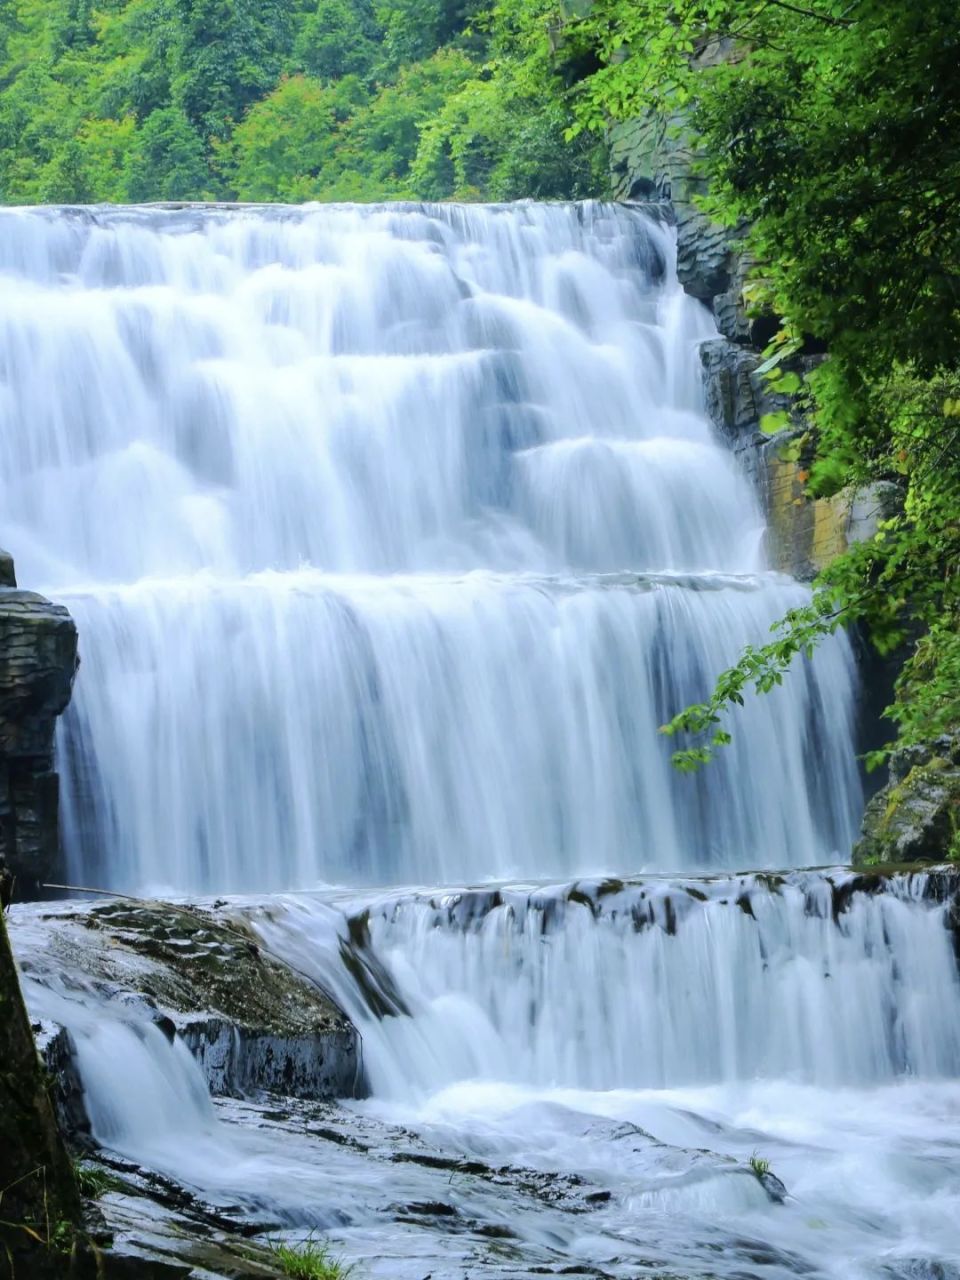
<point>392,534</point>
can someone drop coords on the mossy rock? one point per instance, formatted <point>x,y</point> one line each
<point>916,817</point>
<point>199,972</point>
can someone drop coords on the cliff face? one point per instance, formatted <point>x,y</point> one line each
<point>915,816</point>
<point>654,159</point>
<point>38,662</point>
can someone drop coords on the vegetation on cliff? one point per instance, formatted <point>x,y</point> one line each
<point>832,129</point>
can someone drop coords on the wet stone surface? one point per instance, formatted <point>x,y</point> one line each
<point>250,1021</point>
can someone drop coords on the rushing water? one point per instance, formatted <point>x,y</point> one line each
<point>393,535</point>
<point>579,1075</point>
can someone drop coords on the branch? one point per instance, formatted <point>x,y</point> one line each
<point>810,13</point>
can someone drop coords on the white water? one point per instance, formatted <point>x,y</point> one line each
<point>350,506</point>
<point>393,535</point>
<point>630,1047</point>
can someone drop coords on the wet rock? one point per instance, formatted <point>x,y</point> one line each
<point>654,158</point>
<point>916,816</point>
<point>775,1189</point>
<point>252,1023</point>
<point>35,1172</point>
<point>38,662</point>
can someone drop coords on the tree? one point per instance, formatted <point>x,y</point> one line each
<point>167,160</point>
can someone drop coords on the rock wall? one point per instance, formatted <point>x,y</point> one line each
<point>916,816</point>
<point>40,1204</point>
<point>655,159</point>
<point>38,662</point>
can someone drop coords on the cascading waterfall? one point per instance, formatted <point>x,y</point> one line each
<point>393,534</point>
<point>652,985</point>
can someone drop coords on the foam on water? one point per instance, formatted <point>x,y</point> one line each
<point>626,1049</point>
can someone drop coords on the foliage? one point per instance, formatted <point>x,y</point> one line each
<point>831,128</point>
<point>283,100</point>
<point>308,1261</point>
<point>759,1166</point>
<point>93,1181</point>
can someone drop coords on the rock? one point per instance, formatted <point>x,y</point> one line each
<point>38,662</point>
<point>8,576</point>
<point>733,391</point>
<point>775,1189</point>
<point>806,534</point>
<point>654,158</point>
<point>41,1205</point>
<point>916,816</point>
<point>253,1024</point>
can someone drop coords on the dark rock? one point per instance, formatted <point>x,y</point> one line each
<point>38,662</point>
<point>253,1024</point>
<point>41,1205</point>
<point>8,575</point>
<point>772,1185</point>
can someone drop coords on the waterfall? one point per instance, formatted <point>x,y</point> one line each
<point>652,985</point>
<point>392,535</point>
<point>580,1074</point>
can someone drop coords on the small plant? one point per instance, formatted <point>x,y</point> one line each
<point>758,1166</point>
<point>94,1182</point>
<point>308,1261</point>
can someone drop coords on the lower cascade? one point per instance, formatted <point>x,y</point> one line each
<point>392,535</point>
<point>583,1076</point>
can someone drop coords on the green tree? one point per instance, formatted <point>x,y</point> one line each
<point>167,160</point>
<point>339,38</point>
<point>283,143</point>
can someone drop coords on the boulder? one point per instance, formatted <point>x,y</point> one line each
<point>916,816</point>
<point>253,1023</point>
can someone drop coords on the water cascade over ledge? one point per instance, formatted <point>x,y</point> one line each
<point>576,1077</point>
<point>393,534</point>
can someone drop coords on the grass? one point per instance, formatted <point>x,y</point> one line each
<point>759,1166</point>
<point>94,1182</point>
<point>308,1261</point>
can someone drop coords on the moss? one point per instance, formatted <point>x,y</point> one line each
<point>207,963</point>
<point>915,818</point>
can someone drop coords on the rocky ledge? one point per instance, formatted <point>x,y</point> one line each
<point>38,662</point>
<point>198,972</point>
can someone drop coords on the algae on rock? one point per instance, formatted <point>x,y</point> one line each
<point>916,816</point>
